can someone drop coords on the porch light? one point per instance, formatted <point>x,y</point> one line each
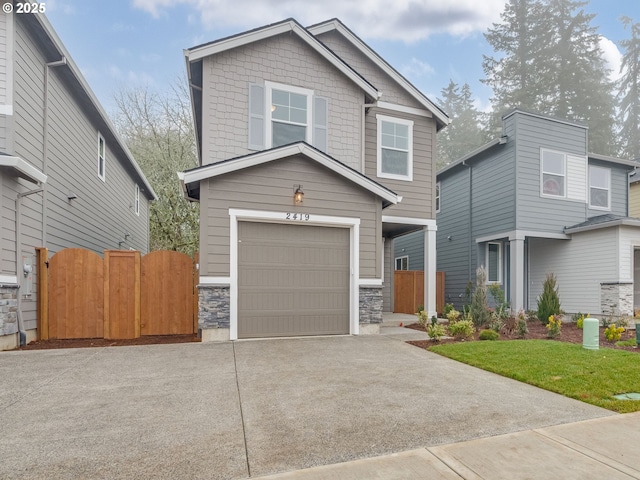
<point>298,194</point>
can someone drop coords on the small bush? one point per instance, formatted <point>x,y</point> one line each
<point>453,315</point>
<point>488,335</point>
<point>461,329</point>
<point>420,308</point>
<point>436,331</point>
<point>496,323</point>
<point>632,342</point>
<point>549,300</point>
<point>447,308</point>
<point>613,333</point>
<point>554,326</point>
<point>423,318</point>
<point>479,308</point>
<point>522,328</point>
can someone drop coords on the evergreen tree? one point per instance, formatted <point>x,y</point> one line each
<point>464,134</point>
<point>629,92</point>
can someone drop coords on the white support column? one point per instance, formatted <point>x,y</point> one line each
<point>430,269</point>
<point>516,250</point>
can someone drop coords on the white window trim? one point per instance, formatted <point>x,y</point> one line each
<point>136,200</point>
<point>237,215</point>
<point>595,207</point>
<point>438,197</point>
<point>542,172</point>
<point>401,258</point>
<point>102,159</point>
<point>268,93</point>
<point>499,281</point>
<point>401,121</point>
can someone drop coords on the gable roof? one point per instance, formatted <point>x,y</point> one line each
<point>335,24</point>
<point>190,179</point>
<point>603,221</point>
<point>54,50</point>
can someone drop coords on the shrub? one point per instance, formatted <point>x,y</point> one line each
<point>479,309</point>
<point>436,331</point>
<point>613,333</point>
<point>447,308</point>
<point>580,320</point>
<point>461,329</point>
<point>420,308</point>
<point>423,318</point>
<point>554,327</point>
<point>549,300</point>
<point>453,315</point>
<point>522,328</point>
<point>502,306</point>
<point>495,323</point>
<point>488,335</point>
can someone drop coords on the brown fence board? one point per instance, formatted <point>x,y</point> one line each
<point>122,294</point>
<point>408,291</point>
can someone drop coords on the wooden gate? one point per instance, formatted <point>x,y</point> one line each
<point>123,296</point>
<point>408,291</point>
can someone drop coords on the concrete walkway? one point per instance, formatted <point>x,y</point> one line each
<point>238,410</point>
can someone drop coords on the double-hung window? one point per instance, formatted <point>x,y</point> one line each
<point>494,262</point>
<point>553,173</point>
<point>599,188</point>
<point>102,163</point>
<point>395,148</point>
<point>288,114</point>
<point>136,200</point>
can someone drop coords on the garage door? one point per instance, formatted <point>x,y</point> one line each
<point>292,280</point>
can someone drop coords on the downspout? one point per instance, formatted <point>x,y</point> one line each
<point>21,330</point>
<point>45,140</point>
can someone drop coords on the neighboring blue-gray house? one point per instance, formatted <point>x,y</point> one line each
<point>534,202</point>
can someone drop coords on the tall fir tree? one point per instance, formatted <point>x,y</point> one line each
<point>551,62</point>
<point>464,133</point>
<point>629,92</point>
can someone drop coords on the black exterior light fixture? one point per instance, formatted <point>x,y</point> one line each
<point>298,194</point>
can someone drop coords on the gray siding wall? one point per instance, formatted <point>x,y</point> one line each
<point>271,188</point>
<point>411,245</point>
<point>282,59</point>
<point>419,195</point>
<point>6,74</point>
<point>542,213</point>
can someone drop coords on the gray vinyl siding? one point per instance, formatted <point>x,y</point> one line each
<point>284,59</point>
<point>411,245</point>
<point>580,265</point>
<point>271,187</point>
<point>455,256</point>
<point>418,195</point>
<point>536,213</point>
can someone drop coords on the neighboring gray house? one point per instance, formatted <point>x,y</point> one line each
<point>308,172</point>
<point>66,179</point>
<point>534,202</point>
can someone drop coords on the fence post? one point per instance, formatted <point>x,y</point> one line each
<point>121,294</point>
<point>42,295</point>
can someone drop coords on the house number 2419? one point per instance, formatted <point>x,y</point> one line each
<point>303,217</point>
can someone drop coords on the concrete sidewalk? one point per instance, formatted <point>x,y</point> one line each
<point>603,448</point>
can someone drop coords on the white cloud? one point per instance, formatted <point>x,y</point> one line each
<point>612,57</point>
<point>417,69</point>
<point>405,20</point>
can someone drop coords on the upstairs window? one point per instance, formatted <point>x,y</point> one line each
<point>438,197</point>
<point>599,188</point>
<point>395,148</point>
<point>288,114</point>
<point>494,262</point>
<point>553,173</point>
<point>136,200</point>
<point>102,164</point>
<point>402,263</point>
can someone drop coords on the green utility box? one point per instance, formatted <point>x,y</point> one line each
<point>591,334</point>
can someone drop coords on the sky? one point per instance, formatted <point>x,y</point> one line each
<point>121,44</point>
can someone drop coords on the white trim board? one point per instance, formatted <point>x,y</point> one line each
<point>521,235</point>
<point>206,280</point>
<point>12,279</point>
<point>238,215</point>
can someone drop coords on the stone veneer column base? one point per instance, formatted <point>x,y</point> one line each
<point>8,309</point>
<point>214,318</point>
<point>616,299</point>
<point>370,309</point>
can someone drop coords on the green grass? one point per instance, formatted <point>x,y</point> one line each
<point>590,376</point>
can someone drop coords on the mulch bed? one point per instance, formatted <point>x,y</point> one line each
<point>103,342</point>
<point>570,333</point>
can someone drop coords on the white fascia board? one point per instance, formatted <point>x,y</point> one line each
<point>626,222</point>
<point>222,168</point>
<point>369,53</point>
<point>270,31</point>
<point>425,222</point>
<point>24,169</point>
<point>522,235</point>
<point>404,109</point>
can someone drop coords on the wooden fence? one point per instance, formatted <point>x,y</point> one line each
<point>408,291</point>
<point>124,295</point>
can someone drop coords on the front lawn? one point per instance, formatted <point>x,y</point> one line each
<point>590,376</point>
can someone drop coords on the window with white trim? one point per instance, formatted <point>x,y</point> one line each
<point>395,148</point>
<point>102,163</point>
<point>438,197</point>
<point>402,263</point>
<point>288,114</point>
<point>599,188</point>
<point>553,173</point>
<point>494,262</point>
<point>136,200</point>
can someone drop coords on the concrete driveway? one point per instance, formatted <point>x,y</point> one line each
<point>250,408</point>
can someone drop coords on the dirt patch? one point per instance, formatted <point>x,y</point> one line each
<point>570,333</point>
<point>103,342</point>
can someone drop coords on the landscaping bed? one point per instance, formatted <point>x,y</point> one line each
<point>569,333</point>
<point>103,342</point>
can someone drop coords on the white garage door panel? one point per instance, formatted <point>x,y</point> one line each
<point>292,280</point>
